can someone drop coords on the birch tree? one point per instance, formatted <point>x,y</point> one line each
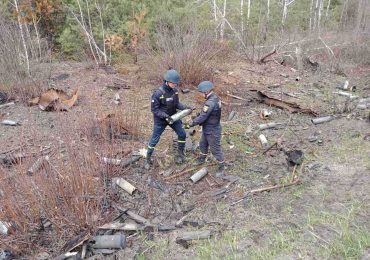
<point>242,17</point>
<point>22,37</point>
<point>286,3</point>
<point>222,27</point>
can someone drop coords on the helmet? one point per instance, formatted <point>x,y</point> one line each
<point>172,76</point>
<point>205,86</point>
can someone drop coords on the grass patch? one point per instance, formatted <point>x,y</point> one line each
<point>347,240</point>
<point>352,147</point>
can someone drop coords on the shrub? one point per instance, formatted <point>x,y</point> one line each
<point>184,48</point>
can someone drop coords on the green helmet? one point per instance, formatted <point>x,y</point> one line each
<point>205,86</point>
<point>172,76</point>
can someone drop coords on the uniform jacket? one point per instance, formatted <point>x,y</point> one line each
<point>165,103</point>
<point>210,116</point>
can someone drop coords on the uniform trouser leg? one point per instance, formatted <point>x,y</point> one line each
<point>181,136</point>
<point>203,146</point>
<point>214,141</point>
<point>156,135</point>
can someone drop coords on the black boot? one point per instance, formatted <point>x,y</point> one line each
<point>221,170</point>
<point>200,160</point>
<point>180,158</point>
<point>148,162</point>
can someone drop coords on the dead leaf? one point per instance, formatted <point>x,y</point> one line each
<point>55,100</point>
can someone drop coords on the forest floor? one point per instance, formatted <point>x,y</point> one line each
<point>324,215</point>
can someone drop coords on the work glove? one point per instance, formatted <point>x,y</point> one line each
<point>169,120</point>
<point>187,126</point>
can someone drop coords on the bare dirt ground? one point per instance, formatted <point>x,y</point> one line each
<point>323,217</point>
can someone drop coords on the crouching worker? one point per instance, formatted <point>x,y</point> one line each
<point>165,103</point>
<point>209,119</point>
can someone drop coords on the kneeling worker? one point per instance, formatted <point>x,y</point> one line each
<point>209,119</point>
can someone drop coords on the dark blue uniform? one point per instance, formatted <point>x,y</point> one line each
<point>209,119</point>
<point>165,103</point>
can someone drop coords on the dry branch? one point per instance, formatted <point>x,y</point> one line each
<point>263,59</point>
<point>291,107</point>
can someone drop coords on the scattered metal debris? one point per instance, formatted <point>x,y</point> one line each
<point>122,183</point>
<point>180,115</point>
<point>269,125</point>
<point>232,115</point>
<point>7,105</point>
<point>117,241</point>
<point>187,237</point>
<point>263,141</point>
<point>37,165</point>
<point>10,123</point>
<point>117,99</point>
<point>199,175</point>
<point>321,120</point>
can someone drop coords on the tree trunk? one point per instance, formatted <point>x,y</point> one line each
<point>360,14</point>
<point>249,10</point>
<point>102,28</point>
<point>84,28</point>
<point>22,36</point>
<point>311,14</point>
<point>242,18</point>
<point>285,11</point>
<point>327,8</point>
<point>343,16</point>
<point>37,34</point>
<point>222,28</point>
<point>321,7</point>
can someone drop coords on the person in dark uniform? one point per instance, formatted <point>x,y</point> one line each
<point>165,103</point>
<point>209,119</point>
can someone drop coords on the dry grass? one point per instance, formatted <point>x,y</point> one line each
<point>15,79</point>
<point>193,53</point>
<point>72,191</point>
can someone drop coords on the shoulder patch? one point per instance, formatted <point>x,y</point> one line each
<point>205,108</point>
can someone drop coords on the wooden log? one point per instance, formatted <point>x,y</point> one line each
<point>263,59</point>
<point>291,107</point>
<point>122,226</point>
<point>236,97</point>
<point>321,120</point>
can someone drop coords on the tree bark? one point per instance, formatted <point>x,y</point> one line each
<point>22,36</point>
<point>327,8</point>
<point>222,28</point>
<point>242,18</point>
